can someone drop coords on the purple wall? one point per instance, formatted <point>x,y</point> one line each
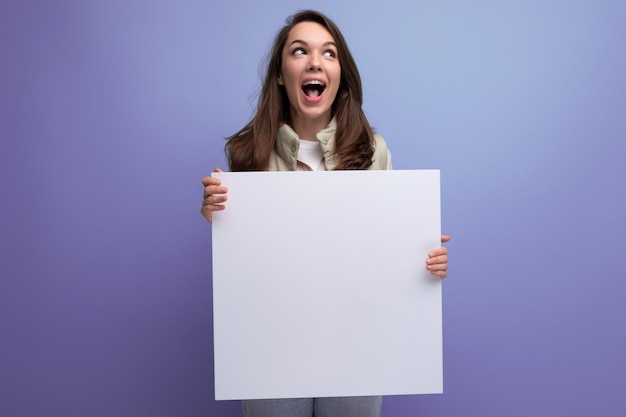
<point>111,113</point>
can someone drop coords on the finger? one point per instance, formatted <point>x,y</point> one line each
<point>217,170</point>
<point>438,267</point>
<point>214,199</point>
<point>206,181</point>
<point>207,211</point>
<point>208,214</point>
<point>210,190</point>
<point>213,207</point>
<point>441,259</point>
<point>438,252</point>
<point>445,238</point>
<point>440,274</point>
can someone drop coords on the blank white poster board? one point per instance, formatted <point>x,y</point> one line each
<point>320,286</point>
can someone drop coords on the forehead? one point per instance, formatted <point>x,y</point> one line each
<point>309,32</point>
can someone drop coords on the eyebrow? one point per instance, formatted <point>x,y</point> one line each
<point>329,43</point>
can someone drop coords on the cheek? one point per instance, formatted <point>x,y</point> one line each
<point>337,78</point>
<point>335,74</point>
<point>287,71</point>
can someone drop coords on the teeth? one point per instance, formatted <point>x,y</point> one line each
<point>314,82</point>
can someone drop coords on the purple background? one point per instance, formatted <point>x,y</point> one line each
<point>112,112</point>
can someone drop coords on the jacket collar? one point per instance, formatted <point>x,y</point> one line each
<point>288,143</point>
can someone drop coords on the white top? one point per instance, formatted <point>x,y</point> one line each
<point>310,154</point>
<point>310,157</point>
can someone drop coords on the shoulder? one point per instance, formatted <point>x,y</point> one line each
<point>381,153</point>
<point>380,142</point>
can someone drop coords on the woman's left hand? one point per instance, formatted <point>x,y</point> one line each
<point>437,262</point>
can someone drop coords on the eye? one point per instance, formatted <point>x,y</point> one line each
<point>330,53</point>
<point>298,51</point>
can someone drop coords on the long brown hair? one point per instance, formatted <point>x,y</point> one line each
<point>250,148</point>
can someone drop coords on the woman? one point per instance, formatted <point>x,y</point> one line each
<point>309,118</point>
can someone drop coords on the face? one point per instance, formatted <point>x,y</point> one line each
<point>310,72</point>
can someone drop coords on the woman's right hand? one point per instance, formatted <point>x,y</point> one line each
<point>214,196</point>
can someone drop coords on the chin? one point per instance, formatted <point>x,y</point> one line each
<point>315,113</point>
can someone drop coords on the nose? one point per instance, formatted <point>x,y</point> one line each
<point>314,63</point>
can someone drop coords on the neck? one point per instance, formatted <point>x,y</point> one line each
<point>307,129</point>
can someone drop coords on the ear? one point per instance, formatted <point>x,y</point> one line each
<point>280,80</point>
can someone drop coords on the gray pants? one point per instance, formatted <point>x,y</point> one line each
<point>318,407</point>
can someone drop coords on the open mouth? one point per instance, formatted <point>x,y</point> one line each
<point>313,88</point>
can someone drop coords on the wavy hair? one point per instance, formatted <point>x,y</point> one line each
<point>249,149</point>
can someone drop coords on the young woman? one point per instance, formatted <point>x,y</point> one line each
<point>309,118</point>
